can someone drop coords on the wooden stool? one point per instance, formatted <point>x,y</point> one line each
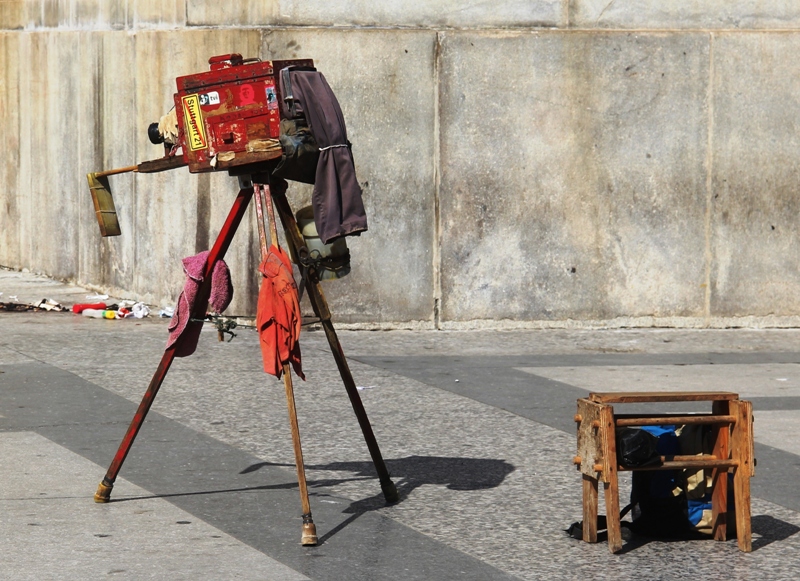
<point>732,420</point>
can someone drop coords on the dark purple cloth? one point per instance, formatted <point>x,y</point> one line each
<point>338,207</point>
<point>221,295</point>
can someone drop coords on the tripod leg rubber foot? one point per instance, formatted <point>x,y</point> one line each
<point>390,491</point>
<point>309,536</point>
<point>103,493</point>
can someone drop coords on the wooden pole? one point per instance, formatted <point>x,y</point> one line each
<point>317,299</point>
<point>309,532</point>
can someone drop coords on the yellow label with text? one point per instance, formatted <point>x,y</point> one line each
<point>195,128</point>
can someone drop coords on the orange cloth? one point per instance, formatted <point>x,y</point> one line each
<point>278,316</point>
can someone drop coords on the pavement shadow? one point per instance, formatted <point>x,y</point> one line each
<point>770,529</point>
<point>413,471</point>
<point>408,474</point>
<point>767,530</point>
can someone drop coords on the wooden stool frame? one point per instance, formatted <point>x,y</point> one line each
<point>732,420</point>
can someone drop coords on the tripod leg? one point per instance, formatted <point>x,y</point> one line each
<point>320,305</point>
<point>219,249</point>
<point>387,486</point>
<point>309,534</point>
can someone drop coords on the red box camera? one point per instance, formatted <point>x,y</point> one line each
<point>230,115</point>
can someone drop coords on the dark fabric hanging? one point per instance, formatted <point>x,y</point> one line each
<point>338,207</point>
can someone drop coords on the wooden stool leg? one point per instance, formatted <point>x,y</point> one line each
<point>612,514</point>
<point>741,493</point>
<point>719,479</point>
<point>610,480</point>
<point>742,442</point>
<point>589,509</point>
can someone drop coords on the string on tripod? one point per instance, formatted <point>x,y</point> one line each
<point>228,320</point>
<point>226,324</point>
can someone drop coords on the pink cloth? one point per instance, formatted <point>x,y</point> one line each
<point>221,295</point>
<point>278,316</point>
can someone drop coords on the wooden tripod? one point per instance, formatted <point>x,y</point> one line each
<point>267,190</point>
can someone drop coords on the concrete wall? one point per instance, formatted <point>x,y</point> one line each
<point>524,163</point>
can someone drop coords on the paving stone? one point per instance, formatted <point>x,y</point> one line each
<point>43,496</point>
<point>481,455</point>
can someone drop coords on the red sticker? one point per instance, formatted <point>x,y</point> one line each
<point>247,95</point>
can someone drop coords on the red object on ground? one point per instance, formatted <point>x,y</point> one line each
<point>82,307</point>
<point>278,317</point>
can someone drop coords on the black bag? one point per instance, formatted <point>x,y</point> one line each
<point>658,511</point>
<point>300,152</point>
<point>666,504</point>
<point>672,504</point>
<point>636,448</point>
